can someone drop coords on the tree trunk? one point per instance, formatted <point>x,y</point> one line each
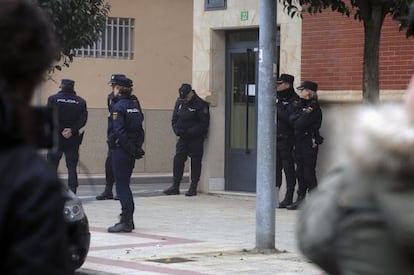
<point>372,30</point>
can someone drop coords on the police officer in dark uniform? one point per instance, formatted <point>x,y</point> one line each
<point>107,194</point>
<point>125,140</point>
<point>72,116</point>
<point>190,122</point>
<point>286,96</point>
<point>307,120</point>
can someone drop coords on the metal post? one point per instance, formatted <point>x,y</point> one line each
<point>266,145</point>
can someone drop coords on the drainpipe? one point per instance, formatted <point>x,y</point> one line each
<point>266,132</point>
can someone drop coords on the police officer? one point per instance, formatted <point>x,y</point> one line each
<point>307,120</point>
<point>125,139</point>
<point>190,122</point>
<point>286,97</point>
<point>72,116</point>
<point>107,194</point>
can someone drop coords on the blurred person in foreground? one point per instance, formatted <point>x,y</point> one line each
<point>361,218</point>
<point>32,228</point>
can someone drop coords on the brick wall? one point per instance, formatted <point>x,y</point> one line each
<point>332,53</point>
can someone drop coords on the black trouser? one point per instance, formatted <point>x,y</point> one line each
<point>193,148</point>
<point>109,175</point>
<point>122,166</point>
<point>285,161</point>
<point>71,158</point>
<point>306,153</point>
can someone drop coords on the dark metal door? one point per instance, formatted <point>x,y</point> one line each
<point>241,119</point>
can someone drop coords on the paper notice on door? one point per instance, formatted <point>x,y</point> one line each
<point>251,89</point>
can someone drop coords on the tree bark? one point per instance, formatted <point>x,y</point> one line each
<point>372,36</point>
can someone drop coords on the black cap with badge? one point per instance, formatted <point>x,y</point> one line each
<point>67,84</point>
<point>184,90</point>
<point>285,78</point>
<point>309,85</point>
<point>114,78</point>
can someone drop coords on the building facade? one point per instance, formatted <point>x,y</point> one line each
<point>213,44</point>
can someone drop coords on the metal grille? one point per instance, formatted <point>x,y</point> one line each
<point>115,42</point>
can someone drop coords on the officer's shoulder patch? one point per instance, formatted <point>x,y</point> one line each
<point>114,115</point>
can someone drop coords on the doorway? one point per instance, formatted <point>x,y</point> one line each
<point>241,111</point>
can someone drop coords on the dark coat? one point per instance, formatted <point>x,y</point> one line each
<point>126,124</point>
<point>72,113</point>
<point>191,119</point>
<point>32,228</point>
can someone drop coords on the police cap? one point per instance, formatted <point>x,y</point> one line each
<point>67,84</point>
<point>123,81</point>
<point>114,78</point>
<point>184,90</point>
<point>310,85</point>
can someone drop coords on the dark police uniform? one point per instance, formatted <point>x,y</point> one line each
<point>307,122</point>
<point>125,139</point>
<point>190,122</point>
<point>73,114</point>
<point>285,143</point>
<point>109,175</point>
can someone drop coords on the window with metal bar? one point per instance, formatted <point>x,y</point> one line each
<point>116,41</point>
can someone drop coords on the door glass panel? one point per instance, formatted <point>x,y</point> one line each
<point>243,101</point>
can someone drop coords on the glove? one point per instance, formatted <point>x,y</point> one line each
<point>139,153</point>
<point>111,143</point>
<point>182,133</point>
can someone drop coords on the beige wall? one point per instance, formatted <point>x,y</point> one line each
<point>209,70</point>
<point>162,61</point>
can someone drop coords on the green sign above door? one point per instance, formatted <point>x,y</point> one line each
<point>244,16</point>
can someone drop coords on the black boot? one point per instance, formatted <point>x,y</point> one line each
<point>173,189</point>
<point>285,203</point>
<point>106,195</point>
<point>125,225</point>
<point>192,191</point>
<point>287,200</point>
<point>296,204</point>
<point>133,225</point>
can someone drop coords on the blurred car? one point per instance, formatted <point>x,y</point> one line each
<point>79,235</point>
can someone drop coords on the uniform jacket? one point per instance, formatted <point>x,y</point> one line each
<point>32,228</point>
<point>307,120</point>
<point>192,119</point>
<point>126,124</point>
<point>72,113</point>
<point>361,219</point>
<point>285,101</point>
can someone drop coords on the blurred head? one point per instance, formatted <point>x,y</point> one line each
<point>285,81</point>
<point>27,47</point>
<point>308,89</point>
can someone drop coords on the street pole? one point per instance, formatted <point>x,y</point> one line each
<point>266,145</point>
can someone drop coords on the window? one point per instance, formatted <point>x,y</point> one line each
<point>215,5</point>
<point>115,42</point>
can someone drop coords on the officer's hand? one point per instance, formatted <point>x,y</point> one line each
<point>111,143</point>
<point>139,153</point>
<point>67,133</point>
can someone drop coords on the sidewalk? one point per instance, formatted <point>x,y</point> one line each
<point>205,234</point>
